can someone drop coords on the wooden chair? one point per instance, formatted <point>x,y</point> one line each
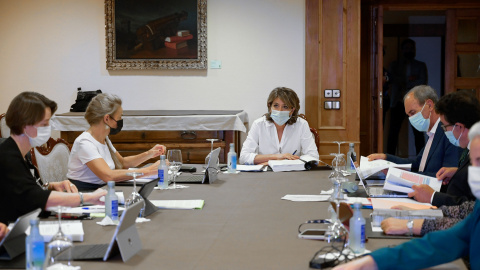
<point>4,129</point>
<point>314,131</point>
<point>51,159</point>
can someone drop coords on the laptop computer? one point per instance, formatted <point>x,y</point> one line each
<point>377,192</point>
<point>125,240</point>
<point>208,177</point>
<point>13,244</point>
<point>145,191</point>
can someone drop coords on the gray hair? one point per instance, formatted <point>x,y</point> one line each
<point>474,131</point>
<point>101,105</point>
<point>422,93</point>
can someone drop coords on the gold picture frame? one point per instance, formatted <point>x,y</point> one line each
<point>156,34</point>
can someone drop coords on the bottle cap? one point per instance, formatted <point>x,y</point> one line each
<point>162,157</point>
<point>351,144</point>
<point>111,184</point>
<point>232,145</point>
<point>34,221</point>
<point>357,205</point>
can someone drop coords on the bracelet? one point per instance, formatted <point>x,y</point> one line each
<point>81,198</point>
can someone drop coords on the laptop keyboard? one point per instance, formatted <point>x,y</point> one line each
<point>84,252</point>
<point>198,178</point>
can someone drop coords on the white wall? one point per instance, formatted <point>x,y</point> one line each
<point>55,46</point>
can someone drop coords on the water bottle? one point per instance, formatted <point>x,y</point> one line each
<point>357,230</point>
<point>351,153</point>
<point>162,173</point>
<point>111,202</point>
<point>34,247</point>
<point>232,159</point>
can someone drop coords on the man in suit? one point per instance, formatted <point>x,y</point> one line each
<point>458,112</point>
<point>438,247</point>
<point>438,152</point>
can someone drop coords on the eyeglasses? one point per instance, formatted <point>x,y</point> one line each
<point>114,119</point>
<point>444,127</point>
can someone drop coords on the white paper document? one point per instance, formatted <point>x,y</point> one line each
<point>73,229</point>
<point>306,198</point>
<point>179,204</point>
<point>250,168</point>
<point>402,181</point>
<point>371,167</point>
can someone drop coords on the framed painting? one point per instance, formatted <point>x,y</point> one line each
<point>156,34</point>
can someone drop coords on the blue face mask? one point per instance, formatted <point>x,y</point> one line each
<point>420,123</point>
<point>452,138</point>
<point>280,117</point>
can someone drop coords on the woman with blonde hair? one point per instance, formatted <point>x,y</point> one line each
<point>93,159</point>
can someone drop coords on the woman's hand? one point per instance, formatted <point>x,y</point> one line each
<point>64,186</point>
<point>3,230</point>
<point>94,197</point>
<point>157,150</point>
<point>367,263</point>
<point>287,156</point>
<point>394,226</point>
<point>152,169</point>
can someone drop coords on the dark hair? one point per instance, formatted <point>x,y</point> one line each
<point>27,109</point>
<point>289,97</point>
<point>406,41</point>
<point>459,107</point>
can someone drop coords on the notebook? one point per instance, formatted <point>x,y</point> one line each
<point>377,192</point>
<point>145,191</point>
<point>125,240</point>
<point>13,244</point>
<point>208,177</point>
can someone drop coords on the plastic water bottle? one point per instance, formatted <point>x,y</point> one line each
<point>357,230</point>
<point>111,202</point>
<point>232,159</point>
<point>34,247</point>
<point>351,153</point>
<point>162,173</point>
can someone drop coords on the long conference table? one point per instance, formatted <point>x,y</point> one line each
<point>244,224</point>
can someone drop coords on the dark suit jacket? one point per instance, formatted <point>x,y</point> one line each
<point>458,189</point>
<point>442,154</point>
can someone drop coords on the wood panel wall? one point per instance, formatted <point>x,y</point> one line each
<point>333,62</point>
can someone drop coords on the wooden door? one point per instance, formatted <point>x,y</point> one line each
<point>462,61</point>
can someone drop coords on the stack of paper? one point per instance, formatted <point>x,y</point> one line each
<point>178,204</point>
<point>292,165</point>
<point>371,167</point>
<point>402,181</point>
<point>250,168</point>
<point>73,229</point>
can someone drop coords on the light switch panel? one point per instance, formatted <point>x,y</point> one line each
<point>335,105</point>
<point>336,93</point>
<point>328,105</point>
<point>328,93</point>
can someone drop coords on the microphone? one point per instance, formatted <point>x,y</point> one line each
<point>349,187</point>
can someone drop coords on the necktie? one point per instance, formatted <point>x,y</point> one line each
<point>463,156</point>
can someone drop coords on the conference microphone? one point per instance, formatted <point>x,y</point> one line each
<point>349,187</point>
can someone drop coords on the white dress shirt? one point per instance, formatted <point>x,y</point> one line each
<point>263,140</point>
<point>430,134</point>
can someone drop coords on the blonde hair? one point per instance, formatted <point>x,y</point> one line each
<point>100,106</point>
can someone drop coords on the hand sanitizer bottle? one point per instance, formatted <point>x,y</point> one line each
<point>357,230</point>
<point>232,159</point>
<point>162,173</point>
<point>111,202</point>
<point>34,247</point>
<point>351,153</point>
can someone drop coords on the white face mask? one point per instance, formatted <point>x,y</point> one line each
<point>280,117</point>
<point>43,134</point>
<point>474,180</point>
<point>418,122</point>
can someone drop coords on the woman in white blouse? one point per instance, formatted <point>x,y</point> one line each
<point>280,133</point>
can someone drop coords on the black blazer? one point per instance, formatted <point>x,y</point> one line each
<point>458,190</point>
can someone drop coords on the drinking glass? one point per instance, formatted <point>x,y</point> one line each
<point>339,160</point>
<point>135,197</point>
<point>59,247</point>
<point>207,158</point>
<point>174,156</point>
<point>336,233</point>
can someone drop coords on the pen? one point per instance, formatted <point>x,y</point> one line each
<point>294,152</point>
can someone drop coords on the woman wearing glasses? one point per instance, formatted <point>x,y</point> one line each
<point>280,133</point>
<point>93,159</point>
<point>28,117</point>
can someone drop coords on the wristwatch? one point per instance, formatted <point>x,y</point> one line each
<point>410,227</point>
